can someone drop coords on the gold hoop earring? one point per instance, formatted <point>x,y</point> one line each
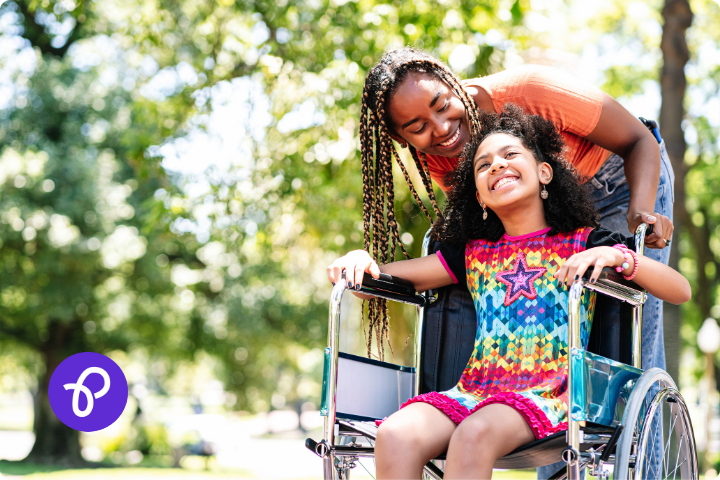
<point>544,193</point>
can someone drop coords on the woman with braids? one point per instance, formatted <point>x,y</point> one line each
<point>518,229</point>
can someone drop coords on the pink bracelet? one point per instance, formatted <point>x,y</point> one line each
<point>627,253</point>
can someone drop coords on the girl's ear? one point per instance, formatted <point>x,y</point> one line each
<point>477,195</point>
<point>545,172</point>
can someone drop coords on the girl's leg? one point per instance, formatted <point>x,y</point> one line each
<point>484,437</point>
<point>410,438</point>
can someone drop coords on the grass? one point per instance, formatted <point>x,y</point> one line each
<point>100,471</point>
<point>32,471</point>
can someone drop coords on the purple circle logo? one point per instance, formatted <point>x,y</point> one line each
<point>88,391</point>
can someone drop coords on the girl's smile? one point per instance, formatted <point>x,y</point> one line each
<point>504,180</point>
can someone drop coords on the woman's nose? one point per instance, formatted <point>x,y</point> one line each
<point>441,127</point>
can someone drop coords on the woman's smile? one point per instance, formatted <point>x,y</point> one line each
<point>450,142</point>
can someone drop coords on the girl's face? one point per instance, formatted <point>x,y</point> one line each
<point>507,175</point>
<point>429,116</point>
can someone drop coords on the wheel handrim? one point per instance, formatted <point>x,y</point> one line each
<point>674,457</point>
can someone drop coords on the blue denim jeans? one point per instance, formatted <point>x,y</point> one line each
<point>610,193</point>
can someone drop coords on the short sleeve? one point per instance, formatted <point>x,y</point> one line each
<point>453,259</point>
<point>601,237</point>
<point>573,106</point>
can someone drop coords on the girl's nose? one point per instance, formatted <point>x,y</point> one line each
<point>498,165</point>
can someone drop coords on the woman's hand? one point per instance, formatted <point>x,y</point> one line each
<point>355,264</point>
<point>662,228</point>
<point>574,268</point>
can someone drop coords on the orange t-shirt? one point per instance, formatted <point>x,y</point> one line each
<point>573,107</point>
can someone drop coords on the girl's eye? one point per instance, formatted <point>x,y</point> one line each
<point>510,154</point>
<point>445,107</point>
<point>483,166</point>
<point>420,130</point>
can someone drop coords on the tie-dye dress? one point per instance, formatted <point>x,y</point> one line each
<point>520,357</point>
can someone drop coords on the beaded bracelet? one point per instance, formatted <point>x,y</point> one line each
<point>627,253</point>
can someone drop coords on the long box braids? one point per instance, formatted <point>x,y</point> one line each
<point>381,235</point>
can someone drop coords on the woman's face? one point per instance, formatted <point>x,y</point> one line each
<point>507,173</point>
<point>429,116</point>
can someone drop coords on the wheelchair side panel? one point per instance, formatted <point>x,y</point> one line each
<point>369,389</point>
<point>601,388</point>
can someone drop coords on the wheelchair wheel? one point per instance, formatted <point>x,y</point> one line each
<point>660,444</point>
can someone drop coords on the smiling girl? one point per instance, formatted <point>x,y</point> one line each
<point>517,229</point>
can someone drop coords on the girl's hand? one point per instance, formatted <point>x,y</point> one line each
<point>574,268</point>
<point>355,264</point>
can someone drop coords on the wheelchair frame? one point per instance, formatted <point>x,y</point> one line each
<point>586,447</point>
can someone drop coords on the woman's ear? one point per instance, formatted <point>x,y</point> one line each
<point>477,195</point>
<point>398,139</point>
<point>545,172</point>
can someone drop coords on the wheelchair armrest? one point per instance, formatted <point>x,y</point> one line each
<point>392,288</point>
<point>611,283</point>
<point>609,274</point>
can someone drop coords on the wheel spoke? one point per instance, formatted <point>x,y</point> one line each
<point>673,421</point>
<point>682,437</point>
<point>674,471</point>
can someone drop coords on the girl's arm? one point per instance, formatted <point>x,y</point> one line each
<point>621,133</point>
<point>425,273</point>
<point>658,279</point>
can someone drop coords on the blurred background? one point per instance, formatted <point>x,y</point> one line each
<point>175,176</point>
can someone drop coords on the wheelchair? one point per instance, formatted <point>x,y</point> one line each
<point>622,421</point>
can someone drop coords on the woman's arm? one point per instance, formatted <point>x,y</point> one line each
<point>658,279</point>
<point>425,273</point>
<point>621,133</point>
<point>553,95</point>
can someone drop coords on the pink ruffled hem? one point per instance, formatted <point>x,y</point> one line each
<point>449,406</point>
<point>533,415</point>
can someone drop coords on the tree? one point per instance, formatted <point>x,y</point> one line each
<point>677,17</point>
<point>81,228</point>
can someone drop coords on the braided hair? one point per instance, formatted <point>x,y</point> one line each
<point>378,152</point>
<point>463,219</point>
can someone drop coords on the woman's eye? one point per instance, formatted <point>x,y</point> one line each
<point>420,130</point>
<point>510,154</point>
<point>483,166</point>
<point>445,107</point>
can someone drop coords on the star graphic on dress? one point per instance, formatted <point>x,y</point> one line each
<point>520,280</point>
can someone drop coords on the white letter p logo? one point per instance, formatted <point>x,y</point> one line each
<point>79,387</point>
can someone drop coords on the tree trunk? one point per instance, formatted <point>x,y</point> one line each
<point>677,17</point>
<point>55,443</point>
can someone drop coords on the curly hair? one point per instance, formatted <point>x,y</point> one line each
<point>463,214</point>
<point>378,152</point>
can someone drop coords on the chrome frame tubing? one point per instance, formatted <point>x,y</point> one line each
<point>627,294</point>
<point>420,323</point>
<point>572,454</point>
<point>637,309</point>
<point>333,345</point>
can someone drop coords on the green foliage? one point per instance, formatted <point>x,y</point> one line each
<point>103,245</point>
